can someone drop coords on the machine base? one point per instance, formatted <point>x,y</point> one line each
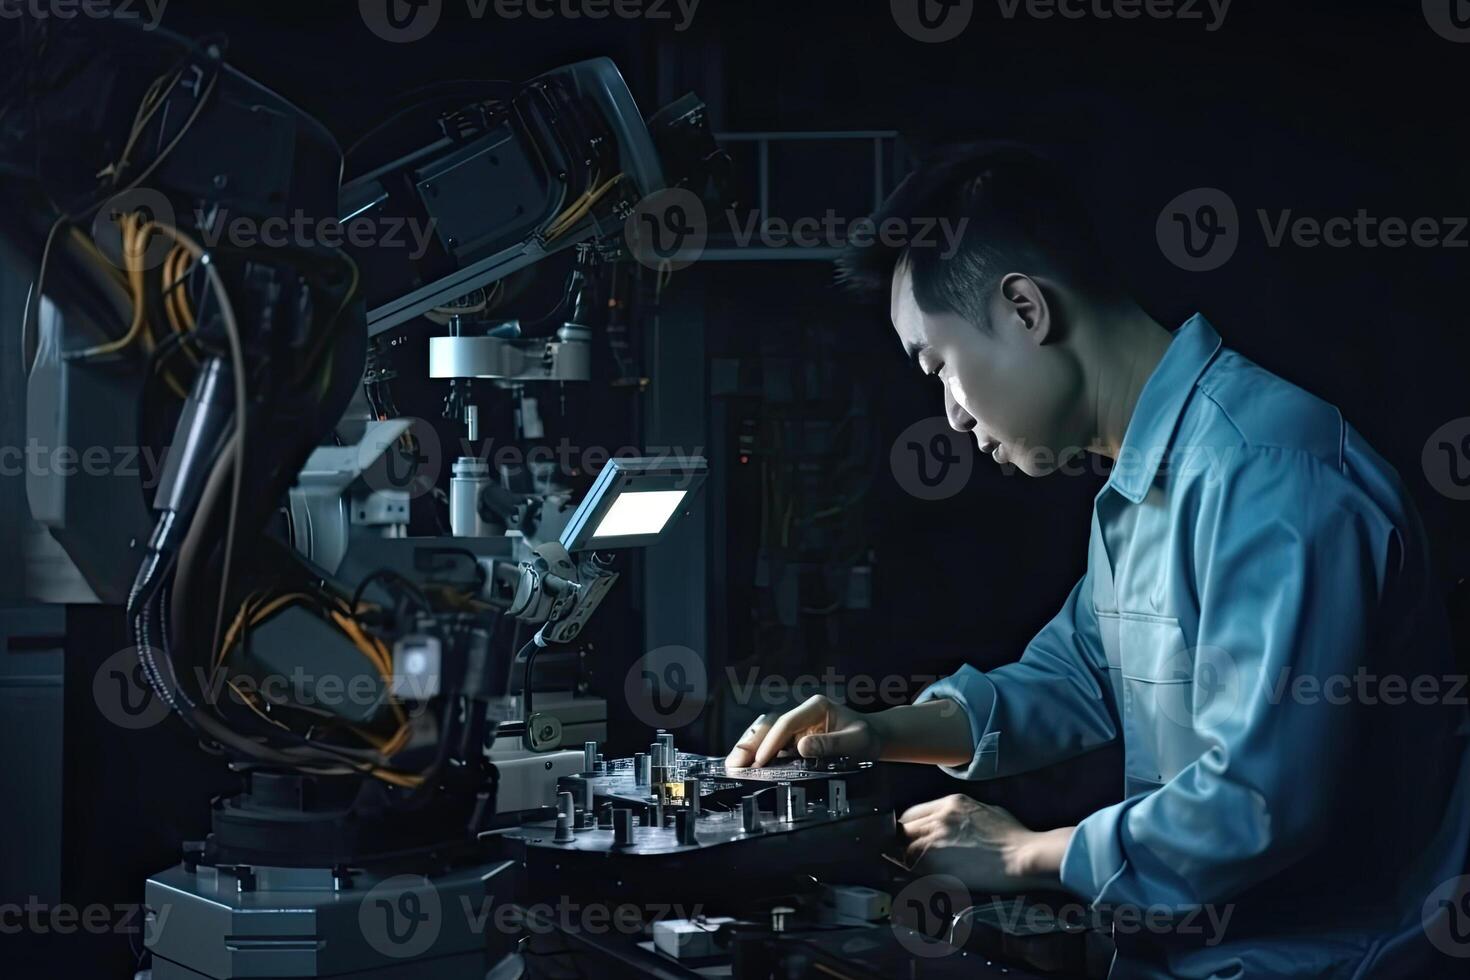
<point>214,923</point>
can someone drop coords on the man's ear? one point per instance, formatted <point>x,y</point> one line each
<point>1026,301</point>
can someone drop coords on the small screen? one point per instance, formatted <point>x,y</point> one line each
<point>638,513</point>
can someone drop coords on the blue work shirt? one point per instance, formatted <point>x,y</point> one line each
<point>1257,607</point>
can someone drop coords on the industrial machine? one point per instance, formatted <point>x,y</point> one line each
<point>210,288</point>
<point>349,625</point>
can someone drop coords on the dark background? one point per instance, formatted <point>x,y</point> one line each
<point>1318,107</point>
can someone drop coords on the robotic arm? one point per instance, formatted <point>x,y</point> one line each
<point>243,356</point>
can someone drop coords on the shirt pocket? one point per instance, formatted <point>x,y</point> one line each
<point>1157,693</point>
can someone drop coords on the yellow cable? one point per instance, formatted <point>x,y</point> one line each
<point>580,209</point>
<point>255,609</point>
<point>134,240</point>
<point>175,271</point>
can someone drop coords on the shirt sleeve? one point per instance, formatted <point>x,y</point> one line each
<point>1288,557</point>
<point>1052,704</point>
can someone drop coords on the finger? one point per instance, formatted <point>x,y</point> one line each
<point>793,721</point>
<point>918,848</point>
<point>743,754</point>
<point>847,741</point>
<point>911,830</point>
<point>923,809</point>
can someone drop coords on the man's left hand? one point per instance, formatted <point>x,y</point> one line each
<point>984,846</point>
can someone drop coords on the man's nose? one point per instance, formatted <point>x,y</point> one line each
<point>959,419</point>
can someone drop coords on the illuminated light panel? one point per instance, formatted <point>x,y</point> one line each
<point>638,513</point>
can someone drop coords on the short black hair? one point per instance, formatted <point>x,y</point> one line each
<point>1020,215</point>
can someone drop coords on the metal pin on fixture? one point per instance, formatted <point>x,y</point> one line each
<point>640,769</point>
<point>779,916</point>
<point>750,814</point>
<point>837,797</point>
<point>783,801</point>
<point>655,753</point>
<point>622,827</point>
<point>579,787</point>
<point>671,755</point>
<point>565,817</point>
<point>684,828</point>
<point>589,756</point>
<point>691,795</point>
<point>790,802</point>
<point>659,776</point>
<point>600,765</point>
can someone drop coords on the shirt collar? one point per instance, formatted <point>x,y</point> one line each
<point>1156,416</point>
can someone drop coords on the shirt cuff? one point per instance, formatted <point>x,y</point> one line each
<point>1094,859</point>
<point>974,693</point>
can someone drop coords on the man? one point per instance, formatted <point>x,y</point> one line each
<point>1257,604</point>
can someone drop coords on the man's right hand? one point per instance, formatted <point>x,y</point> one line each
<point>935,732</point>
<point>819,727</point>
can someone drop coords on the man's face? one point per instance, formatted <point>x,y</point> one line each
<point>1004,383</point>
